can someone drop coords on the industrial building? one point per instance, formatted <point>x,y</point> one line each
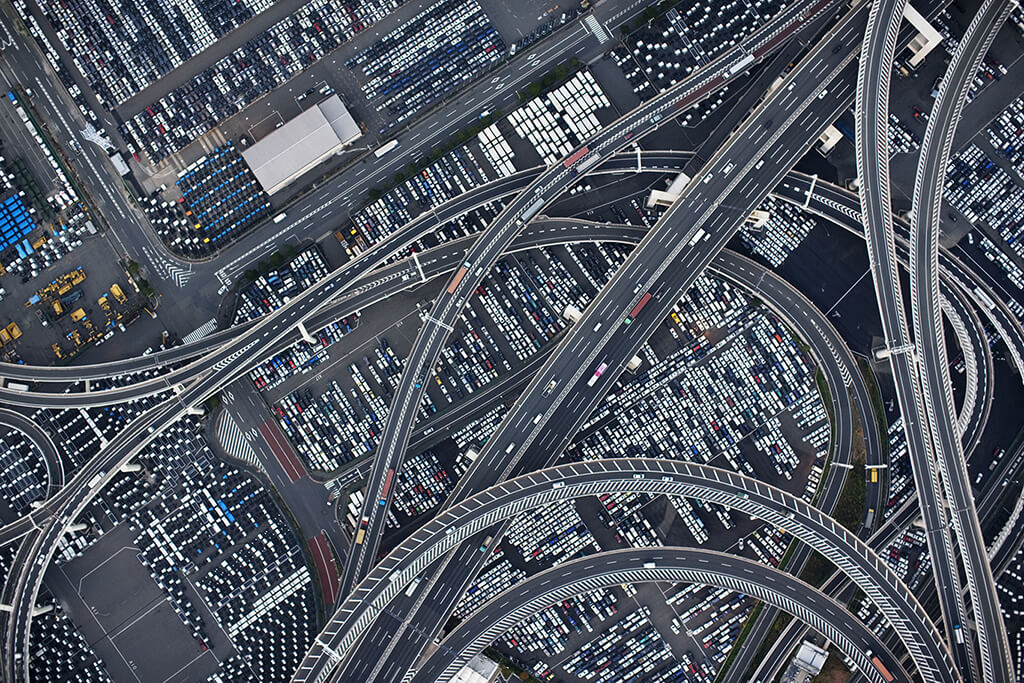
<point>301,144</point>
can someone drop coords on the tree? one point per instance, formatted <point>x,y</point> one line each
<point>373,194</point>
<point>534,89</point>
<point>133,268</point>
<point>251,275</point>
<point>399,178</point>
<point>561,71</point>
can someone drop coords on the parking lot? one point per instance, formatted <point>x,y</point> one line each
<point>119,606</point>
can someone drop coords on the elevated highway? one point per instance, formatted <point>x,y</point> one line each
<point>465,520</point>
<point>932,366</point>
<point>670,565</point>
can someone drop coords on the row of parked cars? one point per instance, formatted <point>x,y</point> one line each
<point>263,63</point>
<point>632,649</point>
<point>450,176</point>
<point>23,477</point>
<point>221,199</point>
<point>221,530</point>
<point>60,652</point>
<point>549,630</point>
<point>427,57</point>
<point>121,49</point>
<point>558,122</point>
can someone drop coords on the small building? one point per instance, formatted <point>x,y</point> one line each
<point>925,41</point>
<point>806,664</point>
<point>302,143</point>
<point>480,669</point>
<point>828,140</point>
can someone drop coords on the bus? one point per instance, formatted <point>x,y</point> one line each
<point>17,386</point>
<point>984,298</point>
<point>881,669</point>
<point>457,279</point>
<point>639,307</point>
<point>576,156</point>
<point>387,486</point>
<point>597,374</point>
<point>741,65</point>
<point>385,148</point>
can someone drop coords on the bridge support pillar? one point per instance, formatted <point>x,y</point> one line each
<point>75,528</point>
<point>131,467</point>
<point>36,611</point>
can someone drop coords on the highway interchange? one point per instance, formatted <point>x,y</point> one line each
<point>513,471</point>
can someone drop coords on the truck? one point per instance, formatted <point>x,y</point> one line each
<point>639,307</point>
<point>882,669</point>
<point>483,546</point>
<point>17,386</point>
<point>385,148</point>
<point>531,211</point>
<point>633,364</point>
<point>701,234</point>
<point>576,156</point>
<point>597,374</point>
<point>387,487</point>
<point>115,291</point>
<point>461,273</point>
<point>361,534</point>
<point>4,337</point>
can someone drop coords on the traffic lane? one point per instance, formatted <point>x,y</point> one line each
<point>578,356</point>
<point>622,300</point>
<point>660,564</point>
<point>527,407</point>
<point>43,443</point>
<point>339,194</point>
<point>479,260</point>
<point>434,540</point>
<point>872,157</point>
<point>997,660</point>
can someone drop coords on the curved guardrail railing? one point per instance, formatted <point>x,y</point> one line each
<point>446,531</point>
<point>667,564</point>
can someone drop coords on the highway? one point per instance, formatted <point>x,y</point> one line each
<point>41,440</point>
<point>923,441</point>
<point>438,537</point>
<point>826,200</point>
<point>664,265</point>
<point>496,238</point>
<point>932,365</point>
<point>670,565</point>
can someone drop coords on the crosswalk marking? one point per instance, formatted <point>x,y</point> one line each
<point>168,269</point>
<point>596,28</point>
<point>201,331</point>
<point>236,443</point>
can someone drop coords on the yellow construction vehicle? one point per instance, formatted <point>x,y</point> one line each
<point>14,330</point>
<point>4,337</point>
<point>115,290</point>
<point>104,304</point>
<point>58,310</point>
<point>77,314</point>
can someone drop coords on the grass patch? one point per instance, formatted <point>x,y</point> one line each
<point>850,507</point>
<point>876,404</point>
<point>834,670</point>
<point>817,570</point>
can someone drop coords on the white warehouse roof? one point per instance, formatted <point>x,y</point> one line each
<point>301,144</point>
